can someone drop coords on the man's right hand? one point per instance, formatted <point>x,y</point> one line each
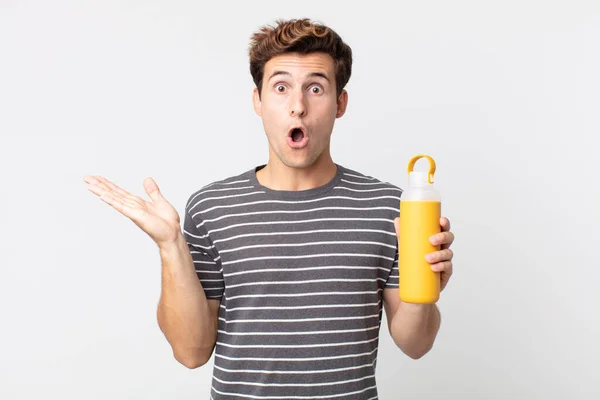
<point>158,218</point>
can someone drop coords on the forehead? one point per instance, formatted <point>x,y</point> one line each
<point>300,64</point>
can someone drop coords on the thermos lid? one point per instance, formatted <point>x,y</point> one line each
<point>418,179</point>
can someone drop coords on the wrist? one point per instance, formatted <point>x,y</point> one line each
<point>416,308</point>
<point>172,247</point>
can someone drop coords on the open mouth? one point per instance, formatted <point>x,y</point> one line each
<point>297,138</point>
<point>297,135</point>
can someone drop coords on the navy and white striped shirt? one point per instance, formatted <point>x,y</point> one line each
<point>300,276</point>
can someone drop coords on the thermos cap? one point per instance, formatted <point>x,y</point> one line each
<point>418,179</point>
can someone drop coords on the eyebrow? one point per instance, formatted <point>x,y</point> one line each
<point>312,74</point>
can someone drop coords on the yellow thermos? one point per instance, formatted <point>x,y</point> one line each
<point>420,211</point>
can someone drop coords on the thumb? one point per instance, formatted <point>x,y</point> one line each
<point>152,189</point>
<point>397,226</point>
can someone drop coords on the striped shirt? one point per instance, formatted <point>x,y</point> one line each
<point>300,276</point>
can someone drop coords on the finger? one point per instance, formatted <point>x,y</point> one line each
<point>439,256</point>
<point>131,203</point>
<point>445,224</point>
<point>111,187</point>
<point>115,203</point>
<point>444,267</point>
<point>91,180</point>
<point>126,207</point>
<point>447,240</point>
<point>114,188</point>
<point>443,238</point>
<point>106,189</point>
<point>152,189</point>
<point>445,276</point>
<point>397,225</point>
<point>96,189</point>
<point>98,181</point>
<point>119,192</point>
<point>101,189</point>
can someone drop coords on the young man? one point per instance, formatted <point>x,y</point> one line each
<point>284,269</point>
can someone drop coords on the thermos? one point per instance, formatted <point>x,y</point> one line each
<point>420,211</point>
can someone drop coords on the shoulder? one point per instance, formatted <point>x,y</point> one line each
<point>370,191</point>
<point>220,188</point>
<point>356,180</point>
<point>381,198</point>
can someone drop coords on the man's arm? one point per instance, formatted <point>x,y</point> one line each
<point>413,327</point>
<point>188,320</point>
<point>186,317</point>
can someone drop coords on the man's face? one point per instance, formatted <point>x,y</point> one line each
<point>298,106</point>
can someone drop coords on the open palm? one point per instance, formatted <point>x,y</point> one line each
<point>158,218</point>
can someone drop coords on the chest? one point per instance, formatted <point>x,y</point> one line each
<point>266,258</point>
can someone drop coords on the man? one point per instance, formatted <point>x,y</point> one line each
<point>284,269</point>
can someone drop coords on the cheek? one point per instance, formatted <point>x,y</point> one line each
<point>273,120</point>
<point>327,114</point>
<point>330,105</point>
<point>272,110</point>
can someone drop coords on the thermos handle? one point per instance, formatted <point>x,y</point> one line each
<point>411,165</point>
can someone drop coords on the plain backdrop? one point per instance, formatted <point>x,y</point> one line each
<point>504,95</point>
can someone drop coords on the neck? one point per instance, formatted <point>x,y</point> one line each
<point>278,176</point>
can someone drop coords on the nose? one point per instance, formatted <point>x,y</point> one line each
<point>297,105</point>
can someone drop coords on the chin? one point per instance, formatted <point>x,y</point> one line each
<point>300,163</point>
<point>298,160</point>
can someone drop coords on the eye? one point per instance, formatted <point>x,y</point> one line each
<point>316,89</point>
<point>280,88</point>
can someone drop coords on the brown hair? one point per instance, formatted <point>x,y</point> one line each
<point>299,36</point>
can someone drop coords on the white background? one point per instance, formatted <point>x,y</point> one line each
<point>504,95</point>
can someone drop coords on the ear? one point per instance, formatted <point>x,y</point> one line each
<point>257,103</point>
<point>342,103</point>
